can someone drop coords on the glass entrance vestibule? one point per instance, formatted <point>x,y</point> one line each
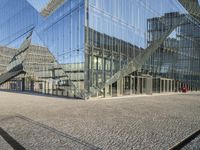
<point>143,84</point>
<point>161,85</point>
<point>130,85</point>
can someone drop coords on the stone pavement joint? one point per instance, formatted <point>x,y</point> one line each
<point>186,141</point>
<point>59,132</point>
<point>17,146</point>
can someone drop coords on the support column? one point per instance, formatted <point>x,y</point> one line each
<point>131,83</point>
<point>149,85</point>
<point>143,87</point>
<point>171,81</point>
<point>107,91</point>
<point>138,85</point>
<point>167,85</point>
<point>160,85</point>
<point>163,86</point>
<point>118,87</point>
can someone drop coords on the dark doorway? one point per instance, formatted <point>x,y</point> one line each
<point>127,87</point>
<point>114,89</point>
<point>136,85</point>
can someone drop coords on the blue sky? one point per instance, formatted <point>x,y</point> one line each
<point>38,4</point>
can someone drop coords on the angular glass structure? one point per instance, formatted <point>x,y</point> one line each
<point>99,48</point>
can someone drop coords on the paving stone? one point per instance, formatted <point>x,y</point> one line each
<point>149,122</point>
<point>4,145</point>
<point>36,136</point>
<point>194,144</point>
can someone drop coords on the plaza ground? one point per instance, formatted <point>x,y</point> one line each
<point>140,122</point>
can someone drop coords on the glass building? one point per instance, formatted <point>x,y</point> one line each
<point>99,48</point>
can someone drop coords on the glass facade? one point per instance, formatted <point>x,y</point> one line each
<point>119,31</point>
<point>54,59</point>
<point>84,43</point>
<point>178,56</point>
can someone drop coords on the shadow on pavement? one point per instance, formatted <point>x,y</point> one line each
<point>10,140</point>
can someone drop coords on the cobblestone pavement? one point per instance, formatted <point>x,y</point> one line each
<point>4,145</point>
<point>146,122</point>
<point>194,144</point>
<point>33,135</point>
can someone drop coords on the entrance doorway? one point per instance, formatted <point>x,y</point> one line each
<point>127,85</point>
<point>114,89</point>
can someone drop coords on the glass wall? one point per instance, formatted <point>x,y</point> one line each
<point>119,30</point>
<point>15,21</point>
<point>178,57</point>
<point>54,59</point>
<point>83,43</point>
<point>63,34</point>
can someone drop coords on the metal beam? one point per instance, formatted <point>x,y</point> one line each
<point>51,7</point>
<point>192,6</point>
<point>19,57</point>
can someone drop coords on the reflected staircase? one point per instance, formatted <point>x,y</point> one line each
<point>192,6</point>
<point>11,74</point>
<point>15,66</point>
<point>19,64</point>
<point>139,61</point>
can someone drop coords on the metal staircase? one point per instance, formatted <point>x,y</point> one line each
<point>11,74</point>
<point>192,6</point>
<point>21,53</point>
<point>61,77</point>
<point>15,67</point>
<point>20,64</point>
